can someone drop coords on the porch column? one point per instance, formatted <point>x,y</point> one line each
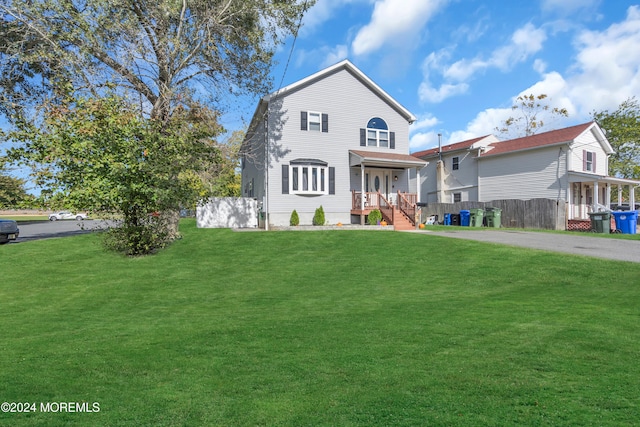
<point>418,185</point>
<point>362,194</point>
<point>608,196</point>
<point>596,190</point>
<point>619,194</point>
<point>632,197</point>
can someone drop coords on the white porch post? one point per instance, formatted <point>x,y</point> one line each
<point>362,194</point>
<point>632,197</point>
<point>619,194</point>
<point>418,185</point>
<point>596,202</point>
<point>608,194</point>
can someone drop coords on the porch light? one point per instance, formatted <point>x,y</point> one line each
<point>395,177</point>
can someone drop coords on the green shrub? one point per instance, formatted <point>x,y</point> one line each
<point>375,217</point>
<point>295,219</point>
<point>137,239</point>
<point>318,217</point>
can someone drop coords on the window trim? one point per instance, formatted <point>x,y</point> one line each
<point>379,136</point>
<point>589,165</point>
<point>308,177</point>
<point>312,122</point>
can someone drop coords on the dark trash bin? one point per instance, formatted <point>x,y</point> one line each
<point>600,222</point>
<point>455,219</point>
<point>493,217</point>
<point>465,217</point>
<point>626,221</point>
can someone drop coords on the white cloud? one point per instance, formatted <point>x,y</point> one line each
<point>422,141</point>
<point>607,69</point>
<point>425,122</point>
<point>605,73</point>
<point>321,12</point>
<point>428,93</point>
<point>525,42</point>
<point>335,55</point>
<point>396,22</point>
<point>540,66</point>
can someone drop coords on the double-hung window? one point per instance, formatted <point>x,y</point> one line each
<point>589,161</point>
<point>314,121</point>
<point>377,134</point>
<point>456,163</point>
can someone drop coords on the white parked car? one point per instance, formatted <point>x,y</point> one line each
<point>67,215</point>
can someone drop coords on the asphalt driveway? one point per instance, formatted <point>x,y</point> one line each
<point>48,229</point>
<point>579,244</point>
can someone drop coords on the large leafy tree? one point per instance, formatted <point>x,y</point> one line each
<point>12,190</point>
<point>99,152</point>
<point>531,114</point>
<point>176,61</point>
<point>165,52</point>
<point>622,128</point>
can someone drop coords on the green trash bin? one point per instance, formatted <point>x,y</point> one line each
<point>600,222</point>
<point>476,217</point>
<point>494,217</point>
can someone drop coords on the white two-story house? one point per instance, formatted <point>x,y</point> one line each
<point>569,164</point>
<point>334,139</point>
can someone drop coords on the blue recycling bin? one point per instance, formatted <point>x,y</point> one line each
<point>447,219</point>
<point>465,218</point>
<point>626,221</point>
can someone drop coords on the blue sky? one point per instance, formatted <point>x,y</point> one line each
<point>458,65</point>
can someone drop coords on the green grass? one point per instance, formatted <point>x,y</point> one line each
<point>338,328</point>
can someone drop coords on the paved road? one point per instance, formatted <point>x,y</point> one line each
<point>49,229</point>
<point>621,250</point>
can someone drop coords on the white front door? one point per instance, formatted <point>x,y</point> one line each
<point>380,181</point>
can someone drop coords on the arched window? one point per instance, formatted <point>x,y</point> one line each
<point>377,133</point>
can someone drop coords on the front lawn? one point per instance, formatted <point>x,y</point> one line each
<point>337,328</point>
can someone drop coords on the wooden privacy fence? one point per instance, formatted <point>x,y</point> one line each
<point>534,213</point>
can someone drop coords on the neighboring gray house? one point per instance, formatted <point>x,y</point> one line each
<point>452,172</point>
<point>569,164</point>
<point>328,140</point>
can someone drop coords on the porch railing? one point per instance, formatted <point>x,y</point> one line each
<point>407,205</point>
<point>405,202</point>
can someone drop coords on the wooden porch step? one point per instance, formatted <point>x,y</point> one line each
<point>402,222</point>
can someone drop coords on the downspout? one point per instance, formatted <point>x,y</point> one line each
<point>440,172</point>
<point>266,170</point>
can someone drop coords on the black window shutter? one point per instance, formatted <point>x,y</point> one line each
<point>363,137</point>
<point>325,123</point>
<point>285,179</point>
<point>303,120</point>
<point>392,140</point>
<point>332,180</point>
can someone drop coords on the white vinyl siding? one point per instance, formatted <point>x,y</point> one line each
<point>528,175</point>
<point>578,162</point>
<point>349,105</point>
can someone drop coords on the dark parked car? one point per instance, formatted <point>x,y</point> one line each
<point>8,230</point>
<point>623,207</point>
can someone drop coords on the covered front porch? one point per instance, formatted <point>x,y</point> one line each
<point>589,193</point>
<point>384,181</point>
<point>399,210</point>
